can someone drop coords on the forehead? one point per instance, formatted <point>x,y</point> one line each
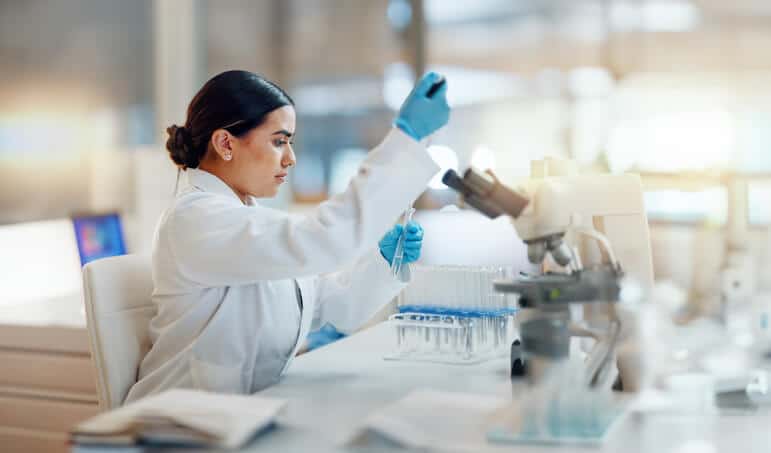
<point>281,118</point>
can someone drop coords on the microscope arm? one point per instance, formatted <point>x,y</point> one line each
<point>599,363</point>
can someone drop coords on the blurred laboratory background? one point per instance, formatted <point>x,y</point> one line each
<point>675,90</point>
<point>678,91</point>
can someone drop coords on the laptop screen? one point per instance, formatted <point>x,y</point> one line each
<point>98,236</point>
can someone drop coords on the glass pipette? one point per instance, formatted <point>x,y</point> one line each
<point>396,263</point>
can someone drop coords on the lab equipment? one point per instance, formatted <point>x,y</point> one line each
<point>451,314</point>
<point>562,216</point>
<point>566,219</point>
<point>387,243</point>
<point>485,193</point>
<point>396,262</point>
<point>560,410</point>
<point>425,110</point>
<point>555,199</point>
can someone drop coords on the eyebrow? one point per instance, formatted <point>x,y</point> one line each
<point>283,132</point>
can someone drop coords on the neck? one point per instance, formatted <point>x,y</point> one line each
<point>222,174</point>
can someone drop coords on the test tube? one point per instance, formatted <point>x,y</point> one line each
<point>452,286</point>
<point>415,287</point>
<point>398,258</point>
<point>496,326</point>
<point>464,279</point>
<point>439,286</point>
<point>478,288</point>
<point>488,288</point>
<point>478,322</point>
<point>468,338</point>
<point>457,335</point>
<point>447,321</point>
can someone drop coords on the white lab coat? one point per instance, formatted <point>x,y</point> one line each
<point>238,287</point>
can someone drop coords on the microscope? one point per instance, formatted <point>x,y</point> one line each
<point>566,220</point>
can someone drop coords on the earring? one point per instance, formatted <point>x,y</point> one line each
<point>228,156</point>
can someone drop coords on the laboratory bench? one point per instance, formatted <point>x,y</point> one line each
<point>333,389</point>
<point>47,381</point>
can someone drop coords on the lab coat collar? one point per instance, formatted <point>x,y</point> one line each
<point>207,182</point>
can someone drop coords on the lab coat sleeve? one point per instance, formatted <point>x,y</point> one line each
<point>219,242</point>
<point>349,298</point>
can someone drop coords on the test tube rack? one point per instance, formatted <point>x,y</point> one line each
<point>451,314</point>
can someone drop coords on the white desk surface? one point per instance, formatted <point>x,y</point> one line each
<point>331,390</point>
<point>52,325</point>
<point>64,311</point>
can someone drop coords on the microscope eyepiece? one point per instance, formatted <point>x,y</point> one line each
<point>453,181</point>
<point>484,192</point>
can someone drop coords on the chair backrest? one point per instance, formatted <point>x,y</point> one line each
<point>118,311</point>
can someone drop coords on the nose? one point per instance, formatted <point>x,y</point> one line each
<point>288,159</point>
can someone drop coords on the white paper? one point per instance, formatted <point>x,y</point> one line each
<point>429,419</point>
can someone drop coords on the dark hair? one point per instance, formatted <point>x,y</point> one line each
<point>236,101</point>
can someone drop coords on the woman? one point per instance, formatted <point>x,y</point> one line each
<point>238,286</point>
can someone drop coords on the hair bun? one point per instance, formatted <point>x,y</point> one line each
<point>180,147</point>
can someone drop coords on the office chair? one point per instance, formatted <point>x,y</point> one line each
<point>118,312</point>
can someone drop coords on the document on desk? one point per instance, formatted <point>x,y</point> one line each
<point>433,420</point>
<point>185,417</point>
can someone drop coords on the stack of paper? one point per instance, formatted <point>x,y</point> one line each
<point>182,417</point>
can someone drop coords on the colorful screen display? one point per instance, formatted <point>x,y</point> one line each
<point>98,236</point>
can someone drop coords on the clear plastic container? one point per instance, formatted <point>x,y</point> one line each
<point>455,288</point>
<point>451,314</point>
<point>451,338</point>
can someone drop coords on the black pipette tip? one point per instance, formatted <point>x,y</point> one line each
<point>435,87</point>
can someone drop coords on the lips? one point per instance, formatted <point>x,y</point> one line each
<point>281,177</point>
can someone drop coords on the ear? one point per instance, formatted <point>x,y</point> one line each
<point>222,142</point>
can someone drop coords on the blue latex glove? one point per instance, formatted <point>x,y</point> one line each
<point>413,241</point>
<point>322,337</point>
<point>420,116</point>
